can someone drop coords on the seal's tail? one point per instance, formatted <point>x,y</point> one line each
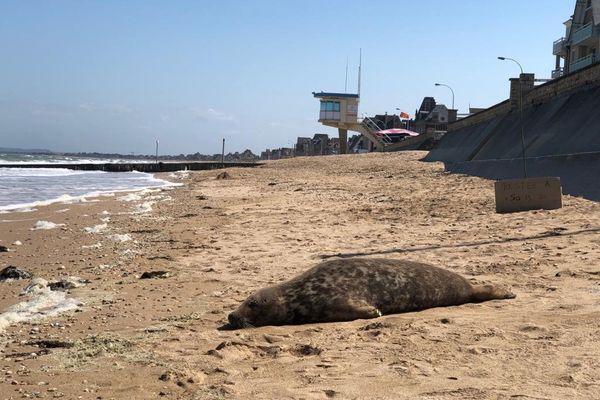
<point>490,292</point>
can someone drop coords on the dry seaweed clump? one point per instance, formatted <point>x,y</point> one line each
<point>98,346</point>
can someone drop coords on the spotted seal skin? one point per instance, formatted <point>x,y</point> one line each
<point>344,290</point>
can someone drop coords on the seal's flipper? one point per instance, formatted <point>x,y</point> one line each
<point>490,292</point>
<point>362,310</point>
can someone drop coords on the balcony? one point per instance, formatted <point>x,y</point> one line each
<point>582,34</point>
<point>558,48</point>
<point>557,73</point>
<point>582,63</point>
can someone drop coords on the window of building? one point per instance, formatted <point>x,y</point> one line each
<point>330,110</point>
<point>330,106</point>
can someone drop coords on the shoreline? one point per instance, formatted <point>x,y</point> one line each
<point>220,239</point>
<point>167,179</point>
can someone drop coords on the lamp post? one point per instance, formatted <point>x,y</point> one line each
<point>157,151</point>
<point>520,113</point>
<point>441,84</point>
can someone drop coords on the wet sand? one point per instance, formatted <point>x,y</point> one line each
<point>219,240</point>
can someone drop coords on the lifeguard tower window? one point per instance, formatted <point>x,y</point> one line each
<point>330,110</point>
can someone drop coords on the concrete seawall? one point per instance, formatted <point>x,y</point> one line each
<point>562,138</point>
<point>579,173</point>
<point>141,167</point>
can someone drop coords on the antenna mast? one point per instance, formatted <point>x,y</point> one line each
<point>346,84</point>
<point>359,70</point>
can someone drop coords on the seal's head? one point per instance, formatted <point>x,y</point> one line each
<point>265,307</point>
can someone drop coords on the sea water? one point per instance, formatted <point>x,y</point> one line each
<point>24,188</point>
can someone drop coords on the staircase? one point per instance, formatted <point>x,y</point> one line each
<point>369,129</point>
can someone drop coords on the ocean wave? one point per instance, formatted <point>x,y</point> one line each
<point>43,172</point>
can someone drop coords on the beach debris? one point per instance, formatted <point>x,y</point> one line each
<point>306,350</point>
<point>52,343</point>
<point>68,283</point>
<point>3,249</point>
<point>155,275</point>
<point>35,286</point>
<point>45,225</point>
<point>17,243</point>
<point>12,272</point>
<point>39,284</point>
<point>223,175</point>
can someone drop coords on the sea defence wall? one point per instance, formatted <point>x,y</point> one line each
<point>141,167</point>
<point>561,126</point>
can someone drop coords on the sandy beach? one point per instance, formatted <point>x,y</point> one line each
<point>218,240</point>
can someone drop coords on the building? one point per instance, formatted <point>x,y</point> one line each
<point>320,145</point>
<point>389,121</point>
<point>433,117</point>
<point>580,46</point>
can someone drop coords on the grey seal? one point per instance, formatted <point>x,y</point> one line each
<point>360,288</point>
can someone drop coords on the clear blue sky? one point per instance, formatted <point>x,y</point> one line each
<point>114,75</point>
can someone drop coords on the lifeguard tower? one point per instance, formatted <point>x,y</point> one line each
<point>340,110</point>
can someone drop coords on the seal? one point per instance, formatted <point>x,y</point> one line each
<point>360,288</point>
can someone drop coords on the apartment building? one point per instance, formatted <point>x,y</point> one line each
<point>581,44</point>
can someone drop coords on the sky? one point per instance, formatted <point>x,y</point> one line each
<point>114,76</point>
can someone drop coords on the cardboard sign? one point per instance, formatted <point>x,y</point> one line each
<point>513,195</point>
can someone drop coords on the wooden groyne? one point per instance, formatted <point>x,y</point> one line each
<point>141,167</point>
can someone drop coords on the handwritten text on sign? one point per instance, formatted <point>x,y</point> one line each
<point>528,194</point>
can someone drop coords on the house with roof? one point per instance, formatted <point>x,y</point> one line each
<point>433,117</point>
<point>580,46</point>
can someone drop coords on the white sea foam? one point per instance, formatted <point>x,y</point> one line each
<point>92,246</point>
<point>19,210</point>
<point>95,229</point>
<point>45,225</point>
<point>143,208</point>
<point>42,303</point>
<point>180,174</point>
<point>120,238</point>
<point>130,197</point>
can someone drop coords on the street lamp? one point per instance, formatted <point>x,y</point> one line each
<point>520,113</point>
<point>441,84</point>
<point>513,60</point>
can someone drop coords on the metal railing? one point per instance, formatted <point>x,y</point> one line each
<point>557,73</point>
<point>558,47</point>
<point>582,62</point>
<point>374,128</point>
<point>583,33</point>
